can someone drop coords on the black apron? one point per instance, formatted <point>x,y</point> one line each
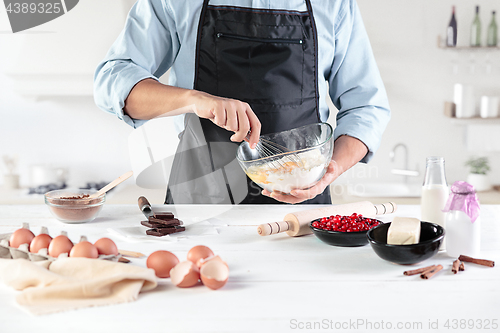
<point>267,58</point>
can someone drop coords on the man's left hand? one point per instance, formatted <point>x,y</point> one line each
<point>297,196</point>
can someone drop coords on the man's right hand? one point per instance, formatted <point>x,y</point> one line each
<point>150,98</point>
<point>230,114</point>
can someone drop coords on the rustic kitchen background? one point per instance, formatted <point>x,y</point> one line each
<point>48,116</point>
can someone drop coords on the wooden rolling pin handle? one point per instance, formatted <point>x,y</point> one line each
<point>386,208</point>
<point>272,228</point>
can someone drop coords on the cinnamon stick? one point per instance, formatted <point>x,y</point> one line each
<point>461,267</point>
<point>484,262</point>
<point>456,266</point>
<point>419,271</point>
<point>429,274</point>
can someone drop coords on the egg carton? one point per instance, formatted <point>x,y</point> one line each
<point>8,252</point>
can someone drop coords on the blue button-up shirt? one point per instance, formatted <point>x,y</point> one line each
<point>161,35</point>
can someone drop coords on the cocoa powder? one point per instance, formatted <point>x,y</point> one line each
<point>75,208</point>
<point>82,196</point>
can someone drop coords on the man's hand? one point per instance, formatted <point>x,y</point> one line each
<point>150,99</point>
<point>297,196</point>
<point>230,114</point>
<point>347,152</point>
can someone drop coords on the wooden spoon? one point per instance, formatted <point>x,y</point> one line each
<point>108,187</point>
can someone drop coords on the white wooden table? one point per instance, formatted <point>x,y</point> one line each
<point>276,283</point>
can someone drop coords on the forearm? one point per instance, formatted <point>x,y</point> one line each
<point>150,98</point>
<point>347,152</point>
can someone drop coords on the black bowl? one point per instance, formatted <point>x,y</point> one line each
<point>431,237</point>
<point>340,238</point>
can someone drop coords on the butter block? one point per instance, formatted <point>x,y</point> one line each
<point>404,231</point>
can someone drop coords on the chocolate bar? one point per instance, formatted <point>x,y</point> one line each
<point>164,216</point>
<point>150,224</point>
<point>165,222</point>
<point>164,231</point>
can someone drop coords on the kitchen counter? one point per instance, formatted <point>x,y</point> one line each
<point>128,192</point>
<point>276,283</point>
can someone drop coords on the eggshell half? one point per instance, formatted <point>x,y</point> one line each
<point>84,250</point>
<point>214,274</point>
<point>198,253</point>
<point>21,236</point>
<point>185,274</point>
<point>60,244</point>
<point>162,262</point>
<point>202,262</point>
<point>106,246</point>
<point>41,241</point>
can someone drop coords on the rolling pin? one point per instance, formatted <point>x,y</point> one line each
<point>297,224</point>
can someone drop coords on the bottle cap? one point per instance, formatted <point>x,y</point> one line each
<point>463,197</point>
<point>434,159</point>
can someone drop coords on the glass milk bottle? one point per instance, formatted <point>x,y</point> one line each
<point>434,193</point>
<point>463,223</point>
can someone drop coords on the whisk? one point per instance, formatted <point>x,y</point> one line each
<point>267,148</point>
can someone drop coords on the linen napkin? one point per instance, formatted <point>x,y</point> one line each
<point>72,283</point>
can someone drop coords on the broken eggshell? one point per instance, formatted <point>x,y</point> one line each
<point>202,262</point>
<point>185,274</point>
<point>214,273</point>
<point>198,253</point>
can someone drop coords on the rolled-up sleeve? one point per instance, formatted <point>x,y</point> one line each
<point>356,88</point>
<point>145,48</point>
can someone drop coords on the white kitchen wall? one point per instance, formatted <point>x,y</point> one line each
<point>419,77</point>
<point>72,132</point>
<point>69,132</point>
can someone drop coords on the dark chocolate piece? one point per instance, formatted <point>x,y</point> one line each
<point>164,231</point>
<point>165,222</point>
<point>164,216</point>
<point>159,232</point>
<point>160,225</point>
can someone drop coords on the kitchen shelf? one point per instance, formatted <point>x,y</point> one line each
<point>475,121</point>
<point>470,48</point>
<point>442,45</point>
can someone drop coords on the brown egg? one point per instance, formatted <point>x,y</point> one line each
<point>214,273</point>
<point>198,253</point>
<point>60,244</point>
<point>185,274</point>
<point>106,246</point>
<point>84,249</point>
<point>21,236</point>
<point>41,241</point>
<point>162,262</point>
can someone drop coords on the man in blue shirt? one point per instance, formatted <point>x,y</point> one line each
<point>240,67</point>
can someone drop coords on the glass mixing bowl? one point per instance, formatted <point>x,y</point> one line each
<point>71,205</point>
<point>288,160</point>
